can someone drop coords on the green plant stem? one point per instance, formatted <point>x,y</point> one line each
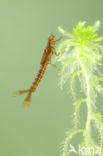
<point>88,101</point>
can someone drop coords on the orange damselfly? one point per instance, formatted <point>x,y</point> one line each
<point>46,58</point>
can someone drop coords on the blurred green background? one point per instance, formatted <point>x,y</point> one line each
<point>24,29</point>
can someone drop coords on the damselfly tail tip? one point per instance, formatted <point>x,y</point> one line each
<point>16,93</point>
<point>19,92</point>
<point>25,104</point>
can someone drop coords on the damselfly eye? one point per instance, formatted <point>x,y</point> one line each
<point>51,37</point>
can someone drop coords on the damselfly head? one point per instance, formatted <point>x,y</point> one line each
<point>51,37</point>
